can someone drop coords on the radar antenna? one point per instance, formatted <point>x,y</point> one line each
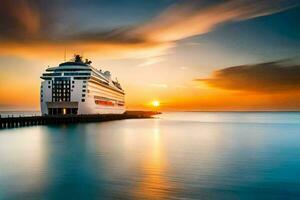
<point>78,58</point>
<point>65,54</point>
<point>87,61</point>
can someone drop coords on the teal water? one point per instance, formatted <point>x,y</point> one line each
<point>176,156</point>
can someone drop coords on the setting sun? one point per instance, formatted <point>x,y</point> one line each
<point>155,103</point>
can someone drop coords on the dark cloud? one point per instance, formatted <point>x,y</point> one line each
<point>42,21</point>
<point>117,35</point>
<point>18,20</point>
<point>27,20</point>
<point>264,77</point>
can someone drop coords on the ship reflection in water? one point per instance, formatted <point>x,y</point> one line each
<point>179,156</point>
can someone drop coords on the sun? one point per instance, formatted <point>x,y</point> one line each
<point>155,103</point>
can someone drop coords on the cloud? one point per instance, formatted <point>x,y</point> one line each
<point>151,61</point>
<point>158,85</point>
<point>30,28</point>
<point>18,20</point>
<point>44,49</point>
<point>183,68</point>
<point>192,18</point>
<point>268,77</point>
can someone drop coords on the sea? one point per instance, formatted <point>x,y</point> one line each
<point>176,155</point>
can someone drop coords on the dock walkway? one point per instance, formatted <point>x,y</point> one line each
<point>14,122</point>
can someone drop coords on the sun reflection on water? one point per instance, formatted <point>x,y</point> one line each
<point>153,184</point>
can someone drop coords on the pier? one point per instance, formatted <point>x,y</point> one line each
<point>14,122</point>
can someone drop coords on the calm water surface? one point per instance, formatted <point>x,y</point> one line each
<point>178,156</point>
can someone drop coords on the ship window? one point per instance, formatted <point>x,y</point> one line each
<point>81,78</point>
<point>83,90</point>
<point>83,95</point>
<point>73,82</point>
<point>49,86</point>
<point>82,100</point>
<point>49,82</point>
<point>84,81</point>
<point>84,86</point>
<point>72,86</point>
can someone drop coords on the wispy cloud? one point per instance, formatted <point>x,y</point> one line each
<point>151,61</point>
<point>263,77</point>
<point>28,28</point>
<point>191,18</point>
<point>159,85</point>
<point>183,68</point>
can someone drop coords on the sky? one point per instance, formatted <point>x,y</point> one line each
<point>190,55</point>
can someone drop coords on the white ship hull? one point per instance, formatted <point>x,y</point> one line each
<point>78,88</point>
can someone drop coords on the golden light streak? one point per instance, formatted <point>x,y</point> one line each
<point>154,184</point>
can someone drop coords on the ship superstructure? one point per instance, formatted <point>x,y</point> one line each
<point>75,87</point>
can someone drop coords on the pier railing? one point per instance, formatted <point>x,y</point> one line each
<point>13,122</point>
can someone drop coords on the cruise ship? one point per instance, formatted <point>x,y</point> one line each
<point>76,87</point>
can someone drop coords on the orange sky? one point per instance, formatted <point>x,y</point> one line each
<point>174,88</point>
